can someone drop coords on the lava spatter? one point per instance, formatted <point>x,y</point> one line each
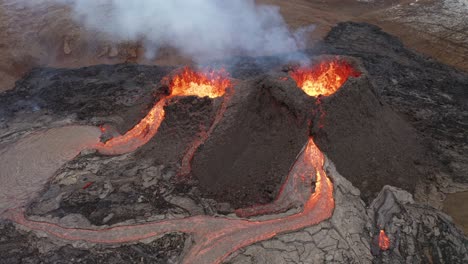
<point>324,78</point>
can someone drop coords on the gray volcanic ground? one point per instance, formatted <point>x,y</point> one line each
<point>402,123</point>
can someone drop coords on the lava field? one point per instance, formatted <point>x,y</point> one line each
<point>246,160</point>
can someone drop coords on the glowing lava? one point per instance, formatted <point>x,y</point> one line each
<point>138,135</point>
<point>217,237</point>
<point>384,241</point>
<point>212,84</point>
<point>187,83</point>
<point>324,78</point>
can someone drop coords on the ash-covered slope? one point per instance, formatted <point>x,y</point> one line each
<point>251,150</point>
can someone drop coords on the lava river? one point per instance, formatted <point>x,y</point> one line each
<point>211,84</point>
<point>215,238</point>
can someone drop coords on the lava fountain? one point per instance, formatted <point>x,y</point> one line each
<point>188,82</point>
<point>211,84</point>
<point>324,78</point>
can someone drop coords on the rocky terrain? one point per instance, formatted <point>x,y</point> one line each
<point>401,93</point>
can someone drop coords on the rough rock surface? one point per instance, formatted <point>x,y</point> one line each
<point>18,246</point>
<point>430,95</point>
<point>367,140</point>
<point>251,150</point>
<point>418,234</point>
<point>344,238</point>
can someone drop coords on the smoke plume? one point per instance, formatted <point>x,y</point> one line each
<point>197,28</point>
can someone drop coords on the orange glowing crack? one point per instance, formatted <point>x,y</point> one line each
<point>324,78</point>
<point>384,241</point>
<point>217,237</point>
<point>210,84</point>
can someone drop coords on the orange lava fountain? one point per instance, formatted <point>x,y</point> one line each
<point>324,78</point>
<point>212,84</point>
<point>187,83</point>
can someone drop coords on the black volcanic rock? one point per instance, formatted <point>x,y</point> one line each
<point>370,144</point>
<point>431,96</point>
<point>246,158</point>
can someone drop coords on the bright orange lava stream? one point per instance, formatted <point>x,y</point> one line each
<point>187,83</point>
<point>324,78</point>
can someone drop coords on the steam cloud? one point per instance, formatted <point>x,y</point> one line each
<point>197,28</point>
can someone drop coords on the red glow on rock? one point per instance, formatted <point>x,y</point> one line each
<point>87,185</point>
<point>384,241</point>
<point>324,78</point>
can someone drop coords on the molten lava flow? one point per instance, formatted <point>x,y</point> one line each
<point>212,84</point>
<point>188,83</point>
<point>325,78</point>
<point>384,241</point>
<point>217,237</point>
<point>138,135</point>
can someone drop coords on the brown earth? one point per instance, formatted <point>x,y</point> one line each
<point>456,206</point>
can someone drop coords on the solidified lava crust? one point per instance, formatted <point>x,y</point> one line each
<point>216,237</point>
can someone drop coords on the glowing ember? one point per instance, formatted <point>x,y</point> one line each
<point>384,241</point>
<point>188,83</point>
<point>325,78</point>
<point>212,84</point>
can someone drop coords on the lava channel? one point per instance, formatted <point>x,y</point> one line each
<point>211,84</point>
<point>324,78</point>
<point>216,237</point>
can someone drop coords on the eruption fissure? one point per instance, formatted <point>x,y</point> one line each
<point>324,78</point>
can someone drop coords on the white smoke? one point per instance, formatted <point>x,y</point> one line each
<point>197,28</point>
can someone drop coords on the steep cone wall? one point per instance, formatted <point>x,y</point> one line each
<point>370,144</point>
<point>245,159</point>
